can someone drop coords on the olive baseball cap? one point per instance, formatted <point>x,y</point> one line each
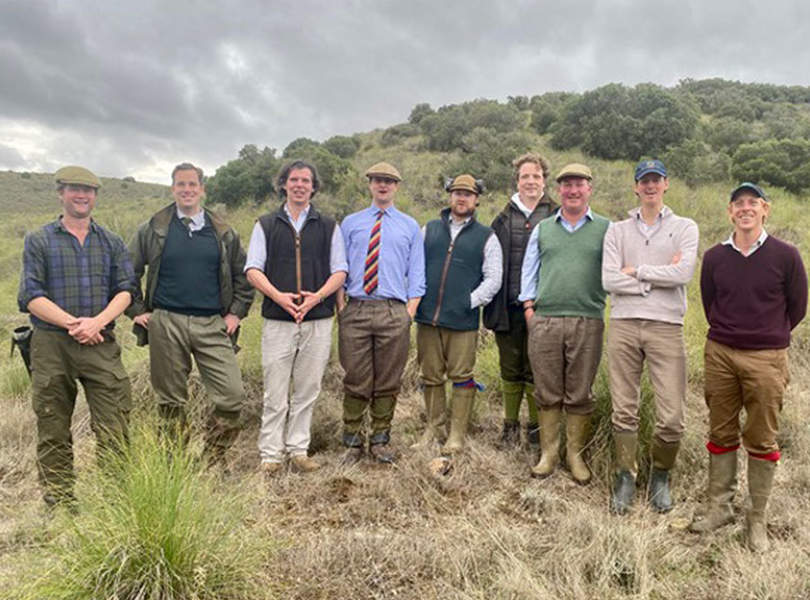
<point>76,176</point>
<point>466,182</point>
<point>383,169</point>
<point>574,170</point>
<point>750,187</point>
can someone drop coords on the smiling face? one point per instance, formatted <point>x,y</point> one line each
<point>748,212</point>
<point>575,193</point>
<point>299,186</point>
<point>530,183</point>
<point>650,190</point>
<point>462,203</point>
<point>382,189</point>
<point>78,201</point>
<point>188,191</point>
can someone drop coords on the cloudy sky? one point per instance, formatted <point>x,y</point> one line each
<point>133,87</point>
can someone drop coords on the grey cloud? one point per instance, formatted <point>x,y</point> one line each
<point>138,85</point>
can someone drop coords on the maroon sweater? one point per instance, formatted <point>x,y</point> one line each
<point>753,302</point>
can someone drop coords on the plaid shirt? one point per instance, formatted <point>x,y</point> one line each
<point>79,279</point>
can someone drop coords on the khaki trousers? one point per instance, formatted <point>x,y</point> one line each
<point>58,361</point>
<point>293,355</point>
<point>565,353</point>
<point>173,339</point>
<point>629,343</point>
<point>445,354</point>
<point>750,379</point>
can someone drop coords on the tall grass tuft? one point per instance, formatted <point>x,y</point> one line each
<point>152,525</point>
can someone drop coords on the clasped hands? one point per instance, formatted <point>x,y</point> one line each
<point>86,330</point>
<point>298,305</point>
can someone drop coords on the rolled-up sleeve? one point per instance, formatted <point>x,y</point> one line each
<point>123,273</point>
<point>257,249</point>
<point>492,268</point>
<point>34,272</point>
<point>337,252</point>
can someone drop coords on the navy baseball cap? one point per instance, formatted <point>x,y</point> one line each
<point>751,187</point>
<point>650,166</point>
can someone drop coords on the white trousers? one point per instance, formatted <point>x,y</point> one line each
<point>291,354</point>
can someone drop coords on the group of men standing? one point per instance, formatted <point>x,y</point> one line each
<point>542,272</point>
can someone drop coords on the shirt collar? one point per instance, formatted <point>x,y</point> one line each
<point>373,209</point>
<point>302,214</point>
<point>58,224</point>
<point>760,240</point>
<point>558,215</point>
<point>198,219</point>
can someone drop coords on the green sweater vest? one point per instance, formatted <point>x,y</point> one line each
<point>571,269</point>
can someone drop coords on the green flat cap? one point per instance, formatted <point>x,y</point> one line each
<point>574,170</point>
<point>465,182</point>
<point>77,176</point>
<point>383,169</point>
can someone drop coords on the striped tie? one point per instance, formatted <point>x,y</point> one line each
<point>372,257</point>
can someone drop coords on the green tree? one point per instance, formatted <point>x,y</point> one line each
<point>248,177</point>
<point>419,112</point>
<point>785,163</point>
<point>342,146</point>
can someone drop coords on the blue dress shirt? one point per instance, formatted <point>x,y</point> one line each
<point>401,265</point>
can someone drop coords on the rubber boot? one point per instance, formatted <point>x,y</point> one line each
<point>760,482</point>
<point>624,486</point>
<point>549,442</point>
<point>512,396</point>
<point>435,411</point>
<point>577,430</point>
<point>461,405</point>
<point>510,436</point>
<point>722,485</point>
<point>663,454</point>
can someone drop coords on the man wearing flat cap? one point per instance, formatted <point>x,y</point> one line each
<point>463,272</point>
<point>564,301</point>
<point>76,279</point>
<point>648,259</point>
<point>385,283</point>
<point>504,315</point>
<point>195,296</point>
<point>754,292</point>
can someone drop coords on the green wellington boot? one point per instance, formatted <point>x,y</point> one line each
<point>512,392</point>
<point>722,485</point>
<point>549,442</point>
<point>624,486</point>
<point>663,454</point>
<point>461,404</point>
<point>760,482</point>
<point>435,408</point>
<point>577,430</point>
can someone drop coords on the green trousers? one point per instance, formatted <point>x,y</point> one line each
<point>59,362</point>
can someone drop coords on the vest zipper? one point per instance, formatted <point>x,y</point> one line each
<point>298,266</point>
<point>443,280</point>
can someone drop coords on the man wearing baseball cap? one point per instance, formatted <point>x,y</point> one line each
<point>648,259</point>
<point>385,282</point>
<point>77,278</point>
<point>563,301</point>
<point>464,268</point>
<point>754,292</point>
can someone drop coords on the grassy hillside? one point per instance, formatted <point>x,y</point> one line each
<point>486,530</point>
